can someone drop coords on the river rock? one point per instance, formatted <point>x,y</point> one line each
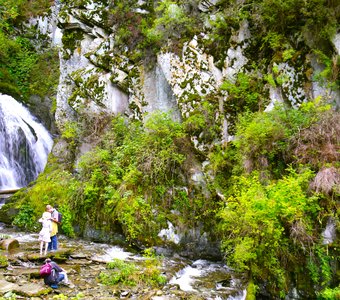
<point>9,244</point>
<point>28,289</point>
<point>6,286</point>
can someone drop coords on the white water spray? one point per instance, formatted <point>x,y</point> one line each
<point>24,145</point>
<point>329,234</point>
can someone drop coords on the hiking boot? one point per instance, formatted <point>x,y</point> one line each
<point>54,286</point>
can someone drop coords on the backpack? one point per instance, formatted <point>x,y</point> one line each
<point>45,270</point>
<point>60,217</point>
<point>54,277</point>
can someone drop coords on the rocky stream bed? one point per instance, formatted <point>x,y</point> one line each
<point>85,260</point>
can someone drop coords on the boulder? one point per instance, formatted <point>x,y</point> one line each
<point>27,289</point>
<point>6,286</point>
<point>9,244</point>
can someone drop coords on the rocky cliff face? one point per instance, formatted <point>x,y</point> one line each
<point>98,78</point>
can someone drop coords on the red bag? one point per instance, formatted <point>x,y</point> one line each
<point>45,270</point>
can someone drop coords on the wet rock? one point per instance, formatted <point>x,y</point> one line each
<point>20,271</point>
<point>78,256</point>
<point>124,294</point>
<point>164,251</point>
<point>32,289</point>
<point>12,279</point>
<point>9,244</point>
<point>6,286</point>
<point>58,256</point>
<point>26,289</point>
<point>31,257</point>
<point>8,212</point>
<point>79,262</point>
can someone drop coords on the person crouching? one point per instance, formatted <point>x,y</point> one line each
<point>58,275</point>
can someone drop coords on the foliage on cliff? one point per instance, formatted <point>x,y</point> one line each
<point>27,67</point>
<point>133,178</point>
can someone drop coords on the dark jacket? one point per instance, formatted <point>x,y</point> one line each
<point>54,276</point>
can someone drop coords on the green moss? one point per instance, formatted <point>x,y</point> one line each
<point>44,77</point>
<point>251,291</point>
<point>71,40</point>
<point>3,261</point>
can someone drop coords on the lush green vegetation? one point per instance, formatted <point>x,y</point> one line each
<point>270,222</point>
<point>268,194</point>
<point>57,188</point>
<point>117,177</point>
<point>127,274</point>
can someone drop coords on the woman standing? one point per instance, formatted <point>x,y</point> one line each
<point>45,232</point>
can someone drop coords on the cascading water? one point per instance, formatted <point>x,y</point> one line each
<point>24,145</point>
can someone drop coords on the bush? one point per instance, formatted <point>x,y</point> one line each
<point>26,218</point>
<point>318,144</point>
<point>266,140</point>
<point>129,274</point>
<point>244,95</point>
<point>329,294</point>
<point>51,187</point>
<point>258,225</point>
<point>118,174</point>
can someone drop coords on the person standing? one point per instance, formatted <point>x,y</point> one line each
<point>53,244</point>
<point>45,232</point>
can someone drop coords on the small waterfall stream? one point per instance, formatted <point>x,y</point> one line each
<point>329,233</point>
<point>24,145</point>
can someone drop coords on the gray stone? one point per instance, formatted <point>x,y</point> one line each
<point>32,289</point>
<point>6,286</point>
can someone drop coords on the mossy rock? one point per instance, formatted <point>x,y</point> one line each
<point>3,261</point>
<point>9,244</point>
<point>8,213</point>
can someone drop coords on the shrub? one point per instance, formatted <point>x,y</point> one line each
<point>329,294</point>
<point>51,187</point>
<point>266,140</point>
<point>130,274</point>
<point>26,217</point>
<point>244,95</point>
<point>318,144</point>
<point>258,227</point>
<point>118,174</point>
<point>122,272</point>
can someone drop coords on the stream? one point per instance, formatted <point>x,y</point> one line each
<point>84,260</point>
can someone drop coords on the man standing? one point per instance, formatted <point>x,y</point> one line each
<point>53,245</point>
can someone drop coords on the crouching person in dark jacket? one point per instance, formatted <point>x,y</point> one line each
<point>58,275</point>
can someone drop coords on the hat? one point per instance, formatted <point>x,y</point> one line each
<point>47,260</point>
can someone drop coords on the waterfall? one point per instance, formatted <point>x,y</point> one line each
<point>329,234</point>
<point>24,145</point>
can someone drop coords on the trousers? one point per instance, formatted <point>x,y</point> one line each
<point>53,244</point>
